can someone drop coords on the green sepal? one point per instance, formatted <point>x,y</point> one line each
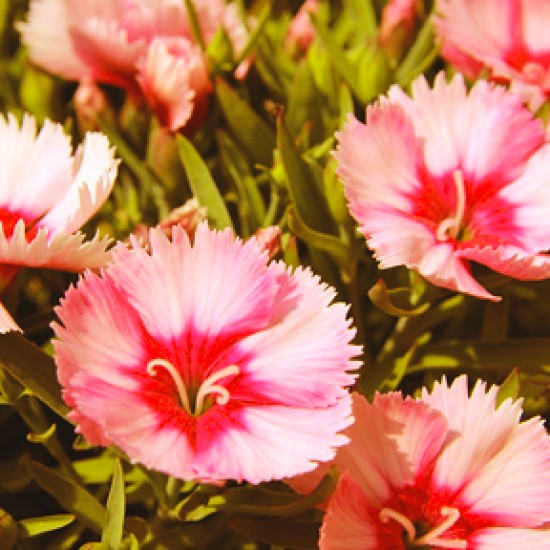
<point>32,527</point>
<point>383,299</point>
<point>203,185</point>
<point>510,388</point>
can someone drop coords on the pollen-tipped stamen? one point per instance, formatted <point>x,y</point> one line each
<point>432,538</point>
<point>389,513</point>
<point>451,226</point>
<point>152,367</point>
<point>206,388</point>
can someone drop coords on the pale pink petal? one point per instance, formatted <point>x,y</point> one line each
<point>510,261</point>
<point>503,538</point>
<point>393,441</point>
<point>272,441</point>
<point>351,522</point>
<point>173,78</point>
<point>63,251</point>
<point>7,323</point>
<point>473,31</point>
<point>487,132</point>
<point>301,31</point>
<point>229,282</point>
<point>46,34</point>
<point>498,467</point>
<point>95,170</point>
<point>313,373</point>
<point>36,169</point>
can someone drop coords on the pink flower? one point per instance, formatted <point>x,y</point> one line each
<point>205,361</point>
<point>509,37</point>
<point>397,24</point>
<point>301,31</point>
<point>132,44</point>
<point>445,471</point>
<point>47,194</point>
<point>173,77</point>
<point>445,178</point>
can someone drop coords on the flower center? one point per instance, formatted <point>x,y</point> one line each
<point>208,387</point>
<point>450,227</point>
<point>433,537</point>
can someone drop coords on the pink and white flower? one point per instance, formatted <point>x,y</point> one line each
<point>445,471</point>
<point>205,361</point>
<point>446,177</point>
<point>508,37</point>
<point>48,193</point>
<point>132,44</point>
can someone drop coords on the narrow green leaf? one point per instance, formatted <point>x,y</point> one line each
<point>305,191</point>
<point>252,133</point>
<point>33,368</point>
<point>253,37</point>
<point>95,470</point>
<point>203,185</point>
<point>44,436</point>
<point>31,527</point>
<point>332,245</point>
<point>381,297</point>
<point>195,23</point>
<point>341,63</point>
<point>365,15</point>
<point>72,497</point>
<point>8,531</point>
<point>113,529</point>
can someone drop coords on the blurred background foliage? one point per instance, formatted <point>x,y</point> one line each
<point>261,158</point>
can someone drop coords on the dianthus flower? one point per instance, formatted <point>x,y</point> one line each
<point>145,47</point>
<point>507,37</point>
<point>47,194</point>
<point>444,471</point>
<point>206,361</point>
<point>445,177</point>
<point>301,31</point>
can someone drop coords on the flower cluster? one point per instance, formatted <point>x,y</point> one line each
<point>147,48</point>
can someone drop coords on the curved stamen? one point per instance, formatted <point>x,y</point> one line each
<point>180,386</point>
<point>389,513</point>
<point>208,387</point>
<point>451,226</point>
<point>432,538</point>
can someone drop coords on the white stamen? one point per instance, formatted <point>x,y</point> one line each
<point>451,226</point>
<point>182,391</point>
<point>208,387</point>
<point>432,538</point>
<point>389,513</point>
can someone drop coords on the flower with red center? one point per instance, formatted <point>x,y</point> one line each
<point>508,37</point>
<point>445,178</point>
<point>46,195</point>
<point>206,361</point>
<point>444,471</point>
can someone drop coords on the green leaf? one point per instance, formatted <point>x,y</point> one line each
<point>364,13</point>
<point>203,185</point>
<point>328,243</point>
<point>381,297</point>
<point>95,469</point>
<point>31,527</point>
<point>33,368</point>
<point>72,497</point>
<point>252,133</point>
<point>510,388</point>
<point>113,529</point>
<point>305,191</point>
<point>195,23</point>
<point>8,531</point>
<point>261,20</point>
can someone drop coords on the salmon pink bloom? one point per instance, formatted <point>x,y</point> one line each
<point>444,178</point>
<point>507,37</point>
<point>206,361</point>
<point>301,31</point>
<point>444,471</point>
